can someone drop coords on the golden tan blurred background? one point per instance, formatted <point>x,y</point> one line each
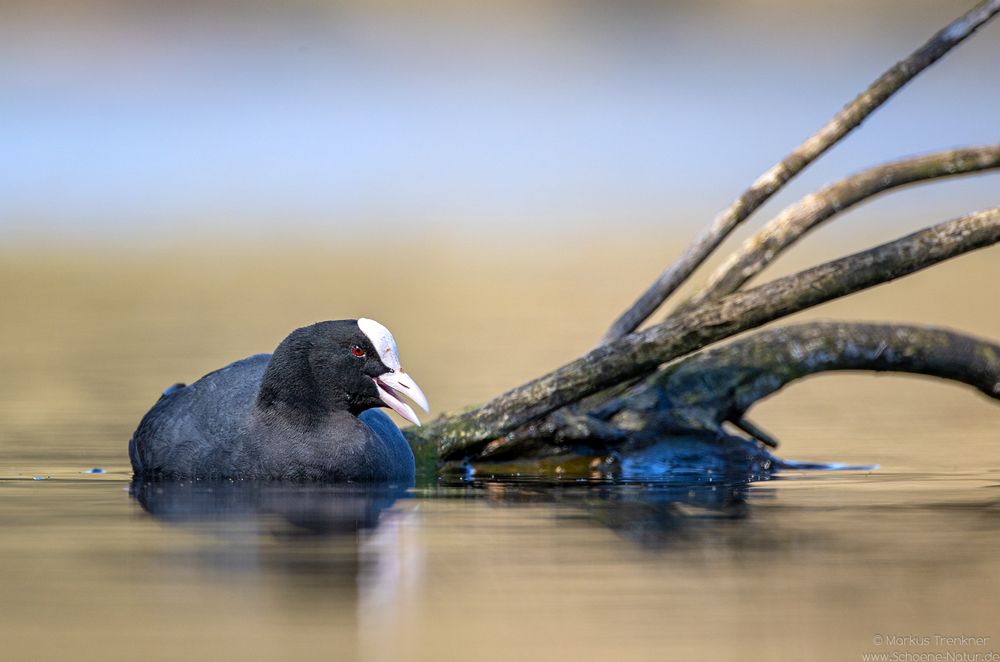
<point>96,336</point>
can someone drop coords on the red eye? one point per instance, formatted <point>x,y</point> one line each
<point>358,351</point>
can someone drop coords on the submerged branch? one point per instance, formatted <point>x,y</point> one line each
<point>796,221</point>
<point>775,178</point>
<point>641,353</point>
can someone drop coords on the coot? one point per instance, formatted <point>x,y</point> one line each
<point>306,412</point>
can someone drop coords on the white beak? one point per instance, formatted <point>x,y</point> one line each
<point>392,384</point>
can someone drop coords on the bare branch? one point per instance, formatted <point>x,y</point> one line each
<point>775,178</point>
<point>796,221</point>
<point>642,352</point>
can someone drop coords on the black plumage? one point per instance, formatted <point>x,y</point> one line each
<point>306,412</point>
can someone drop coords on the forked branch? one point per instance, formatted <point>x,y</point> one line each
<point>779,174</point>
<point>760,250</point>
<point>641,353</point>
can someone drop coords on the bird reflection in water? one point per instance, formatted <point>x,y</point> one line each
<point>306,508</point>
<point>337,537</point>
<point>250,514</point>
<point>367,541</point>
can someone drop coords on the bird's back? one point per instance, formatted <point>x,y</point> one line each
<point>197,429</point>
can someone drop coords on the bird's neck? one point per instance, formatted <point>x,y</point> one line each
<point>289,389</point>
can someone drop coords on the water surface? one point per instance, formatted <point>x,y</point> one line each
<point>806,566</point>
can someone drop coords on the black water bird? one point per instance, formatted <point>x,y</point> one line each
<point>305,413</point>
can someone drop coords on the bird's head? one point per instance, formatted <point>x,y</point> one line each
<point>352,364</point>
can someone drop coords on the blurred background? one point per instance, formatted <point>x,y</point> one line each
<point>183,183</point>
<point>129,124</point>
